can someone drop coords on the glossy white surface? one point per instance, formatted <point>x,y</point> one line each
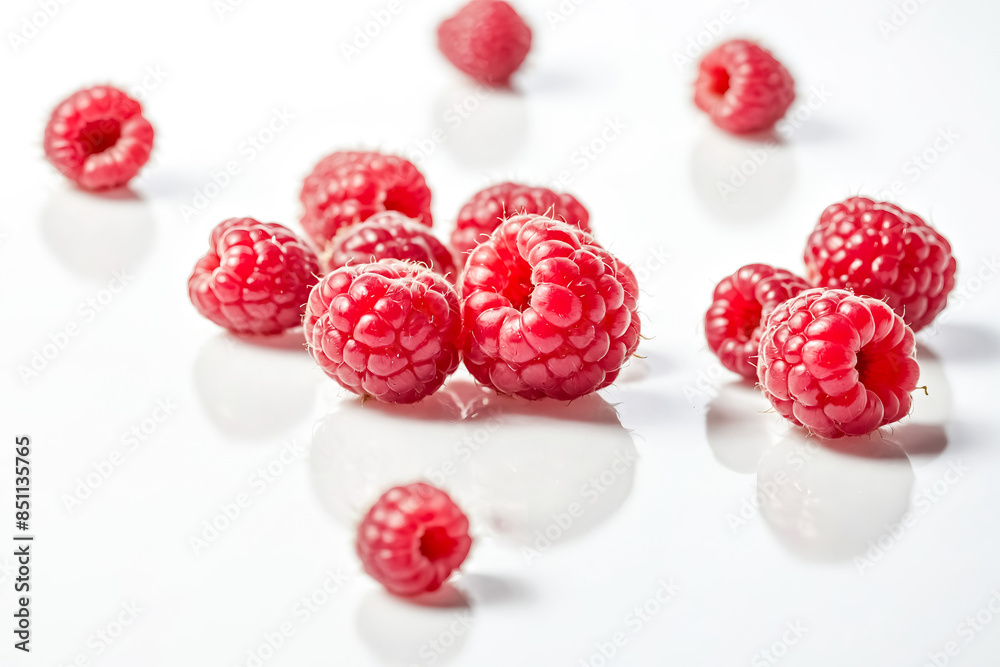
<point>875,552</point>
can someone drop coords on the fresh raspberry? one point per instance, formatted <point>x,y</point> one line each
<point>390,235</point>
<point>389,330</point>
<point>98,138</point>
<point>255,278</point>
<point>742,87</point>
<point>880,250</point>
<point>740,304</point>
<point>413,538</point>
<point>348,187</point>
<point>837,363</point>
<point>486,39</point>
<point>547,311</point>
<point>488,208</point>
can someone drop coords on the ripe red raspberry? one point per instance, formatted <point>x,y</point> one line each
<point>837,363</point>
<point>880,250</point>
<point>389,330</point>
<point>488,208</point>
<point>98,138</point>
<point>547,311</point>
<point>413,538</point>
<point>389,235</point>
<point>742,87</point>
<point>486,39</point>
<point>255,277</point>
<point>347,187</point>
<point>740,304</point>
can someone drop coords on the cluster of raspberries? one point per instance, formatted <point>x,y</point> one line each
<point>834,351</point>
<point>531,302</point>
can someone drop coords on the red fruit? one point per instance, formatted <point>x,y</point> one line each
<point>740,304</point>
<point>389,330</point>
<point>837,363</point>
<point>348,187</point>
<point>742,87</point>
<point>486,39</point>
<point>390,235</point>
<point>413,538</point>
<point>880,250</point>
<point>98,138</point>
<point>547,311</point>
<point>488,208</point>
<point>255,277</point>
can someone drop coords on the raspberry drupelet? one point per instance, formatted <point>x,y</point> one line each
<point>98,138</point>
<point>740,304</point>
<point>348,187</point>
<point>548,312</point>
<point>878,249</point>
<point>412,539</point>
<point>487,208</point>
<point>255,278</point>
<point>742,87</point>
<point>389,330</point>
<point>836,363</point>
<point>486,39</point>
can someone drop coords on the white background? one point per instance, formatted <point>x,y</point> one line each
<point>821,551</point>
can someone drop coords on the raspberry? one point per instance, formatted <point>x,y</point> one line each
<point>740,304</point>
<point>486,39</point>
<point>413,538</point>
<point>390,235</point>
<point>487,209</point>
<point>389,330</point>
<point>98,138</point>
<point>255,277</point>
<point>347,187</point>
<point>837,363</point>
<point>880,250</point>
<point>742,87</point>
<point>547,311</point>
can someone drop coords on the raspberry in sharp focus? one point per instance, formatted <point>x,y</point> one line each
<point>740,304</point>
<point>390,235</point>
<point>742,87</point>
<point>413,538</point>
<point>486,39</point>
<point>98,138</point>
<point>389,330</point>
<point>880,250</point>
<point>837,363</point>
<point>255,278</point>
<point>487,208</point>
<point>348,187</point>
<point>547,311</point>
